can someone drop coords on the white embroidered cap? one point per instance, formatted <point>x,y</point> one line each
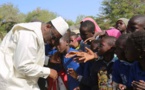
<point>60,24</point>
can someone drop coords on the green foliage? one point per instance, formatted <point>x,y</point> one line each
<point>79,19</point>
<point>9,15</point>
<point>70,22</point>
<point>40,15</point>
<point>115,9</point>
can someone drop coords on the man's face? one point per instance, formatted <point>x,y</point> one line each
<point>51,36</point>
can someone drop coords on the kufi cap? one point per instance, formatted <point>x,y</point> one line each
<point>60,24</point>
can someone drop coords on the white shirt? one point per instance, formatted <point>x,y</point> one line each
<point>22,58</point>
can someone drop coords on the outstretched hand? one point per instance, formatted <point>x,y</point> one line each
<point>82,56</point>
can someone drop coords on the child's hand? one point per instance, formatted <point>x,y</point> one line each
<point>77,88</point>
<point>72,73</point>
<point>121,87</point>
<point>71,54</point>
<point>138,85</point>
<point>86,56</point>
<point>55,58</point>
<point>89,40</point>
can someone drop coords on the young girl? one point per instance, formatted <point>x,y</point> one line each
<point>137,51</point>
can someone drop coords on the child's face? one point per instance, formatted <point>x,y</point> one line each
<point>120,25</point>
<point>85,34</point>
<point>134,25</point>
<point>61,47</point>
<point>94,47</point>
<point>104,47</point>
<point>120,51</point>
<point>73,42</point>
<point>131,53</point>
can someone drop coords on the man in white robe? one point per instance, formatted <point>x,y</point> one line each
<point>22,54</point>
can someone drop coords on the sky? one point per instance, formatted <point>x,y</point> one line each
<point>69,9</point>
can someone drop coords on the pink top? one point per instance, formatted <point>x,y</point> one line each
<point>113,32</point>
<point>97,28</point>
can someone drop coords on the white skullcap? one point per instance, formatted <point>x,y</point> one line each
<point>60,24</point>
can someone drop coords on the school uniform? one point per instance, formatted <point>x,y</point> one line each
<point>100,76</point>
<point>70,63</point>
<point>136,73</point>
<point>120,72</point>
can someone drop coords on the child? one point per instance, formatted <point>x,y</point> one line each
<point>122,66</point>
<point>95,45</point>
<point>137,72</point>
<point>74,42</point>
<point>63,47</point>
<point>111,32</point>
<point>121,25</point>
<point>100,76</point>
<point>136,23</point>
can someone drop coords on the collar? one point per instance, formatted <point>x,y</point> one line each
<point>112,61</point>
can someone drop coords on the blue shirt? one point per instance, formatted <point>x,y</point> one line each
<point>136,73</point>
<point>70,63</point>
<point>120,72</point>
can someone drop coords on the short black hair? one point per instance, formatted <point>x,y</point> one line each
<point>138,39</point>
<point>73,34</point>
<point>122,39</point>
<point>110,40</point>
<point>140,19</point>
<point>66,37</point>
<point>89,25</point>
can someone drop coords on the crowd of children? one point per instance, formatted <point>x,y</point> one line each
<point>112,59</point>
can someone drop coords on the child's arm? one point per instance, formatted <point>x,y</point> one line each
<point>88,81</point>
<point>56,58</point>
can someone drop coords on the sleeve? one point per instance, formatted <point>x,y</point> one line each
<point>115,74</point>
<point>25,61</point>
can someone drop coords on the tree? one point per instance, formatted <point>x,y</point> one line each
<point>41,15</point>
<point>9,15</point>
<point>115,9</point>
<point>79,19</point>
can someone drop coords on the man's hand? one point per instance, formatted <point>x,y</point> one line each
<point>53,74</point>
